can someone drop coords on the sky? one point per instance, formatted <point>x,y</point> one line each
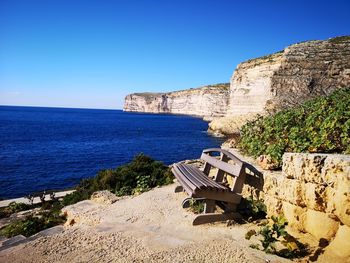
<point>91,54</point>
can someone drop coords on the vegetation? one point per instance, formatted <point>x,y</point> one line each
<point>138,176</point>
<point>49,216</point>
<point>196,206</point>
<point>13,207</point>
<point>252,209</point>
<point>319,125</point>
<point>339,40</point>
<point>276,233</point>
<point>267,58</point>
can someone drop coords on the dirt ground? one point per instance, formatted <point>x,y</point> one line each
<point>151,227</point>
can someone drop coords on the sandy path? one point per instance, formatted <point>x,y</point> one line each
<point>151,227</point>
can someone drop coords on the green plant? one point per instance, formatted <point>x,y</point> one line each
<point>140,175</point>
<point>319,125</point>
<point>196,206</point>
<point>252,208</point>
<point>272,234</point>
<point>249,234</point>
<point>33,224</point>
<point>14,207</point>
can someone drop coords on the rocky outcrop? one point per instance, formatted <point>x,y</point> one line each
<point>285,79</point>
<point>313,192</point>
<point>207,101</point>
<point>298,73</point>
<point>259,86</point>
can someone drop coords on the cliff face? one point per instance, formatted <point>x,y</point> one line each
<point>285,79</point>
<point>259,86</point>
<point>207,101</point>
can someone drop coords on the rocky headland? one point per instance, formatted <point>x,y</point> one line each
<point>259,86</point>
<point>208,101</point>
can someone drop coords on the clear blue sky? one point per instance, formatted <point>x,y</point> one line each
<point>91,54</point>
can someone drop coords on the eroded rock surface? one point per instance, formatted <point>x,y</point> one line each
<point>207,101</point>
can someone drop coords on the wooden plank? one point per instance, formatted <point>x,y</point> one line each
<point>212,217</point>
<point>231,169</point>
<point>228,196</point>
<point>206,180</point>
<point>227,153</point>
<point>200,176</point>
<point>189,188</point>
<point>189,177</point>
<point>239,182</point>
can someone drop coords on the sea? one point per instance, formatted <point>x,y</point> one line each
<point>54,148</point>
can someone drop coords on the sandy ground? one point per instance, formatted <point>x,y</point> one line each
<point>151,227</point>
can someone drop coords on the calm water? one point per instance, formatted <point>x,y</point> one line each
<point>53,148</point>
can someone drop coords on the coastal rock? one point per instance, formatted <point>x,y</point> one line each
<point>229,125</point>
<point>267,163</point>
<point>208,101</point>
<point>340,246</point>
<point>287,78</point>
<point>104,197</point>
<point>261,86</point>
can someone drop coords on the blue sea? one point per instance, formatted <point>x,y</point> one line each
<point>54,148</point>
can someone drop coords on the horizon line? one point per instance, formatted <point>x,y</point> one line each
<point>58,107</point>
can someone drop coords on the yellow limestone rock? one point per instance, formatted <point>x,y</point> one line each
<point>320,225</point>
<point>295,215</point>
<point>340,246</point>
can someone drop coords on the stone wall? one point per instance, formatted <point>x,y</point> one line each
<point>313,193</point>
<point>207,101</point>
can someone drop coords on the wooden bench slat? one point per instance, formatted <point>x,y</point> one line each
<point>189,176</point>
<point>206,180</point>
<point>227,153</point>
<point>231,169</point>
<point>189,187</point>
<point>198,184</point>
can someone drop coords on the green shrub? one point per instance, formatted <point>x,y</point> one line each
<point>196,206</point>
<point>33,224</point>
<point>252,208</point>
<point>140,175</point>
<point>13,207</point>
<point>275,233</point>
<point>319,125</point>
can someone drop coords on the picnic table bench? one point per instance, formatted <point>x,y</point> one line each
<point>212,191</point>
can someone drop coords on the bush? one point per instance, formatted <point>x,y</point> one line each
<point>275,233</point>
<point>319,125</point>
<point>252,209</point>
<point>140,175</point>
<point>14,207</point>
<point>33,224</point>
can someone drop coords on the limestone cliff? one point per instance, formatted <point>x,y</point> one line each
<point>259,86</point>
<point>285,79</point>
<point>207,101</point>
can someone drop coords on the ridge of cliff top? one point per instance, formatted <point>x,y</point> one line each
<point>154,94</point>
<point>274,56</point>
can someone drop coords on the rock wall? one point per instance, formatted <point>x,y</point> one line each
<point>298,73</point>
<point>313,193</point>
<point>285,79</point>
<point>207,101</point>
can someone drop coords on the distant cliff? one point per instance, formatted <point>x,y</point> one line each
<point>259,86</point>
<point>207,101</point>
